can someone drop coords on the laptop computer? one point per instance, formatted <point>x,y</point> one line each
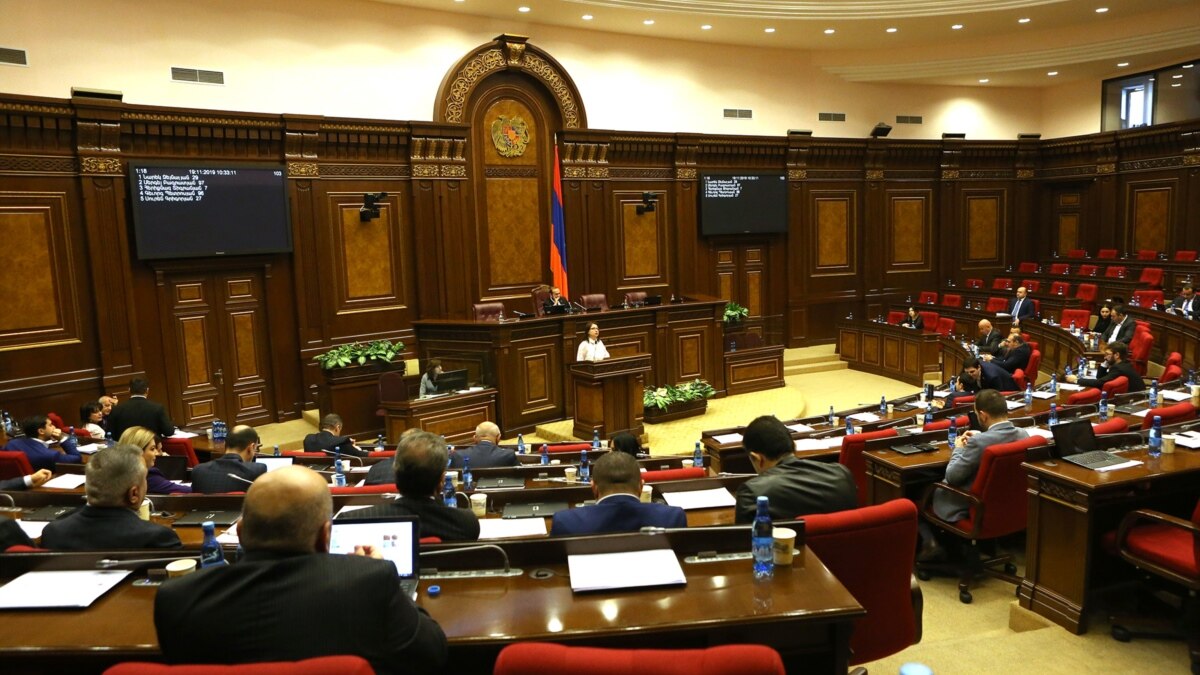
<point>533,510</point>
<point>49,513</point>
<point>914,448</point>
<point>220,518</point>
<point>551,310</point>
<point>272,463</point>
<point>397,538</point>
<point>173,467</point>
<point>1075,442</point>
<point>500,483</point>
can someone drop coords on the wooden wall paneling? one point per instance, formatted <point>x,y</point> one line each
<point>643,249</point>
<point>832,267</point>
<point>586,205</point>
<point>693,257</point>
<point>907,245</point>
<point>986,225</point>
<point>726,272</point>
<point>442,208</point>
<point>1187,237</point>
<point>1150,213</point>
<point>192,338</point>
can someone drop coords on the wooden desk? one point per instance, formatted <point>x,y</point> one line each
<point>892,351</point>
<point>454,416</point>
<point>1172,333</point>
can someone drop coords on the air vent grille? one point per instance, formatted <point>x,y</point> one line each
<point>909,119</point>
<point>738,114</point>
<point>831,117</point>
<point>197,76</point>
<point>13,57</point>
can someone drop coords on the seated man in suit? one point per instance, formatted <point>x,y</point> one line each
<point>1185,304</point>
<point>1116,365</point>
<point>235,470</point>
<point>795,487</point>
<point>989,338</point>
<point>40,433</point>
<point>992,411</point>
<point>1123,327</point>
<point>556,299</point>
<point>1014,355</point>
<point>286,573</point>
<point>979,375</point>
<point>116,486</point>
<point>485,452</point>
<point>139,411</point>
<point>1021,307</point>
<point>35,479</point>
<point>330,439</point>
<point>420,471</point>
<point>617,485</point>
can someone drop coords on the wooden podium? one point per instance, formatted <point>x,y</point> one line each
<point>608,395</point>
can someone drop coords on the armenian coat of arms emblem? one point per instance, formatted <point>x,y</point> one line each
<point>510,135</point>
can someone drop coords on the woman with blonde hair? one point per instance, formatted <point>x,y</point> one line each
<point>147,441</point>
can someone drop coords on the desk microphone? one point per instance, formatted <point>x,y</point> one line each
<point>477,547</point>
<point>109,563</point>
<point>344,455</point>
<point>581,307</point>
<point>237,477</point>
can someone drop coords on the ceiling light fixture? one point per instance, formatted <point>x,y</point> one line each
<point>587,17</point>
<point>892,30</point>
<point>1024,19</point>
<point>523,9</point>
<point>957,26</point>
<point>830,31</point>
<point>648,22</point>
<point>1122,64</point>
<point>1052,73</point>
<point>1177,84</point>
<point>1176,77</point>
<point>706,27</point>
<point>1187,65</point>
<point>768,30</point>
<point>1101,10</point>
<point>984,80</point>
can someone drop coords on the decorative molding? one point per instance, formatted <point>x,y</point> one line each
<point>454,171</point>
<point>874,174</point>
<point>105,165</point>
<point>626,172</point>
<point>1025,173</point>
<point>303,170</point>
<point>553,79</point>
<point>195,119</point>
<point>366,128</point>
<point>1157,163</point>
<point>1061,492</point>
<point>510,172</point>
<point>597,172</point>
<point>950,174</point>
<point>366,170</point>
<point>833,174</point>
<point>37,164</point>
<point>797,174</point>
<point>1068,171</point>
<point>685,174</point>
<point>62,111</point>
<point>574,172</point>
<point>1191,160</point>
<point>511,52</point>
<point>992,174</point>
<point>1107,167</point>
<point>510,136</point>
<point>424,170</point>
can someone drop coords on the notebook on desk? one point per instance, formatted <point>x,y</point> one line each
<point>396,538</point>
<point>1075,442</point>
<point>48,513</point>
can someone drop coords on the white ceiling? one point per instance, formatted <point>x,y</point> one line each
<point>1068,37</point>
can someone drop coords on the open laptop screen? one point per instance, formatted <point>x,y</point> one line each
<point>1072,438</point>
<point>395,537</point>
<point>273,463</point>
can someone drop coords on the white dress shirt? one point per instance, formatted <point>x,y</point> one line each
<point>591,351</point>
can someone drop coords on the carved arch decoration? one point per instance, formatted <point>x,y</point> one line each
<point>508,53</point>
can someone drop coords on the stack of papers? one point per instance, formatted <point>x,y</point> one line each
<point>180,433</point>
<point>1173,395</point>
<point>633,569</point>
<point>1038,431</point>
<point>1013,405</point>
<point>500,528</point>
<point>798,428</point>
<point>33,528</point>
<point>67,481</point>
<point>1044,394</point>
<point>819,443</point>
<point>1070,387</point>
<point>865,417</point>
<point>700,499</point>
<point>1188,439</point>
<point>1114,467</point>
<point>88,449</point>
<point>229,536</point>
<point>724,439</point>
<point>40,590</point>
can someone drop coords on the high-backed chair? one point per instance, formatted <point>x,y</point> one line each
<point>1034,366</point>
<point>1060,268</point>
<point>566,447</point>
<point>14,464</point>
<point>894,317</point>
<point>1169,548</point>
<point>1086,295</point>
<point>635,298</point>
<point>930,320</point>
<point>851,457</point>
<point>1077,253</point>
<point>1020,378</point>
<point>1151,276</point>
<point>323,665</point>
<point>960,422</point>
<point>1171,414</point>
<point>1001,284</point>
<point>488,311</point>
<point>1146,298</point>
<point>927,298</point>
<point>1031,285</point>
<point>945,326</point>
<point>1091,395</point>
<point>181,447</point>
<point>974,283</point>
<point>544,658</point>
<point>998,508</point>
<point>1037,308</point>
<point>1170,374</point>
<point>1115,272</point>
<point>1079,317</point>
<point>1115,425</point>
<point>1088,270</point>
<point>1147,254</point>
<point>1185,256</point>
<point>58,422</point>
<point>1107,254</point>
<point>1027,267</point>
<point>1117,385</point>
<point>673,474</point>
<point>885,587</point>
<point>1139,350</point>
<point>1174,359</point>
<point>1060,288</point>
<point>594,301</point>
<point>997,304</point>
<point>540,295</point>
<point>1141,326</point>
<point>952,300</point>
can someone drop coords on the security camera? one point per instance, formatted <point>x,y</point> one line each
<point>370,207</point>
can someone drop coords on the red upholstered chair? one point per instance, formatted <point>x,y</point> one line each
<point>998,508</point>
<point>57,420</point>
<point>539,295</point>
<point>1060,268</point>
<point>1115,272</point>
<point>1020,378</point>
<point>945,326</point>
<point>895,317</point>
<point>1034,366</point>
<point>1171,414</point>
<point>1107,254</point>
<point>1174,359</point>
<point>635,298</point>
<point>1139,350</point>
<point>544,658</point>
<point>673,474</point>
<point>974,283</point>
<point>488,311</point>
<point>1001,284</point>
<point>1080,317</point>
<point>1141,326</point>
<point>594,301</point>
<point>1147,254</point>
<point>1170,374</point>
<point>1185,256</point>
<point>1169,548</point>
<point>1147,299</point>
<point>1077,253</point>
<point>385,488</point>
<point>1031,285</point>
<point>1027,267</point>
<point>181,447</point>
<point>1151,276</point>
<point>1037,308</point>
<point>1117,385</point>
<point>1091,395</point>
<point>1115,425</point>
<point>952,300</point>
<point>1088,270</point>
<point>930,320</point>
<point>1060,288</point>
<point>1086,295</point>
<point>960,422</point>
<point>995,304</point>
<point>14,464</point>
<point>851,457</point>
<point>381,453</point>
<point>567,447</point>
<point>927,298</point>
<point>884,587</point>
<point>301,453</point>
<point>323,665</point>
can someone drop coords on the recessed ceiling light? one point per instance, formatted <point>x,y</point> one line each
<point>460,0</point>
<point>1151,79</point>
<point>706,27</point>
<point>1177,84</point>
<point>957,26</point>
<point>768,30</point>
<point>648,22</point>
<point>522,9</point>
<point>586,17</point>
<point>1176,77</point>
<point>1101,10</point>
<point>1024,19</point>
<point>1052,73</point>
<point>1122,64</point>
<point>1187,65</point>
<point>984,80</point>
<point>830,31</point>
<point>892,30</point>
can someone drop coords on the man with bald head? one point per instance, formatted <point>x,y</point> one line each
<point>1021,307</point>
<point>485,453</point>
<point>290,599</point>
<point>989,338</point>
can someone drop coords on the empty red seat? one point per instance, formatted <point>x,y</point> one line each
<point>1107,254</point>
<point>1114,426</point>
<point>960,422</point>
<point>951,300</point>
<point>673,474</point>
<point>1031,285</point>
<point>927,298</point>
<point>1146,298</point>
<point>1170,374</point>
<point>1086,295</point>
<point>1079,317</point>
<point>894,317</point>
<point>1174,359</point>
<point>1060,268</point>
<point>995,304</point>
<point>1027,267</point>
<point>1185,256</point>
<point>945,326</point>
<point>1060,288</point>
<point>1172,414</point>
<point>1001,284</point>
<point>1077,253</point>
<point>851,457</point>
<point>1114,272</point>
<point>1086,396</point>
<point>1152,277</point>
<point>1088,270</point>
<point>1147,254</point>
<point>930,321</point>
<point>974,283</point>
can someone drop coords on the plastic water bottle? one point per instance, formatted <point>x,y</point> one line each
<point>72,439</point>
<point>1153,393</point>
<point>1103,406</point>
<point>595,440</point>
<point>277,451</point>
<point>830,415</point>
<point>1067,370</point>
<point>1191,377</point>
<point>521,449</point>
<point>545,454</point>
<point>380,445</point>
<point>448,493</point>
<point>883,406</point>
<point>585,471</point>
<point>929,415</point>
<point>849,425</point>
<point>1053,414</point>
<point>1053,383</point>
<point>211,554</point>
<point>762,541</point>
<point>339,476</point>
<point>108,441</point>
<point>952,434</point>
<point>698,456</point>
<point>1155,441</point>
<point>1072,326</point>
<point>468,480</point>
<point>1028,394</point>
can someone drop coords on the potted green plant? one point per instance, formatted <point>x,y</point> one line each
<point>735,313</point>
<point>378,353</point>
<point>672,402</point>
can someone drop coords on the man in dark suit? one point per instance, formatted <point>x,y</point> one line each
<point>330,439</point>
<point>1116,365</point>
<point>795,487</point>
<point>485,452</point>
<point>979,375</point>
<point>419,471</point>
<point>1015,354</point>
<point>233,471</point>
<point>1123,327</point>
<point>116,486</point>
<point>1021,307</point>
<point>139,411</point>
<point>989,338</point>
<point>556,299</point>
<point>44,444</point>
<point>1185,304</point>
<point>617,484</point>
<point>35,479</point>
<point>249,609</point>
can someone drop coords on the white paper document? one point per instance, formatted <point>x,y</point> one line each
<point>1188,439</point>
<point>1172,395</point>
<point>90,448</point>
<point>940,393</point>
<point>180,433</point>
<point>40,590</point>
<point>67,481</point>
<point>349,508</point>
<point>865,417</point>
<point>800,428</point>
<point>728,438</point>
<point>499,528</point>
<point>1044,394</point>
<point>229,536</point>
<point>700,499</point>
<point>1038,431</point>
<point>633,569</point>
<point>1070,387</point>
<point>33,528</point>
<point>1122,465</point>
<point>1013,405</point>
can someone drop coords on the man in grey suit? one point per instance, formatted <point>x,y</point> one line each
<point>992,411</point>
<point>1123,327</point>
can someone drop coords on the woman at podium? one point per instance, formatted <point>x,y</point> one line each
<point>429,379</point>
<point>592,349</point>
